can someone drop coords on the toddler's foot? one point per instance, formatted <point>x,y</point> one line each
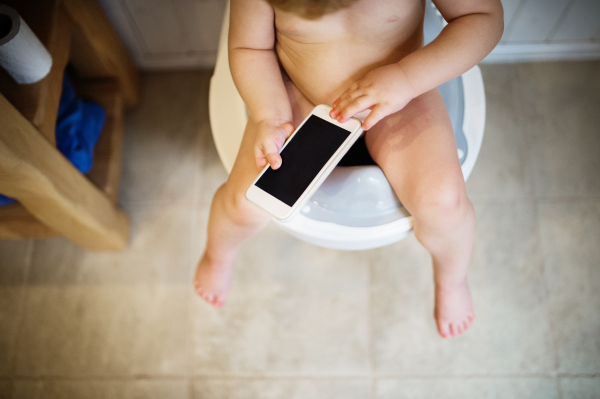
<point>453,309</point>
<point>212,280</point>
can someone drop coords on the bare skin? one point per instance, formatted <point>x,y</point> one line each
<point>369,55</point>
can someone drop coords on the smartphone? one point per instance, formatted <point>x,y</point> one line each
<point>308,156</point>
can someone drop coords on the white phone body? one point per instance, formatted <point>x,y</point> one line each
<point>284,211</point>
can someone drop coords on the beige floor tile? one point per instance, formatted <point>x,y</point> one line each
<point>160,149</point>
<point>199,234</point>
<point>13,254</point>
<point>10,302</point>
<point>510,333</point>
<point>293,308</point>
<point>5,389</point>
<point>86,330</point>
<point>502,169</point>
<point>560,102</point>
<point>480,388</point>
<point>213,173</point>
<point>322,388</point>
<point>103,389</point>
<point>158,252</point>
<point>580,388</point>
<point>571,237</point>
<point>13,259</point>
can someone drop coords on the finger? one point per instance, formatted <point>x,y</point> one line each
<point>260,159</point>
<point>289,129</point>
<point>335,105</point>
<point>377,113</point>
<point>346,98</point>
<point>355,106</point>
<point>261,163</point>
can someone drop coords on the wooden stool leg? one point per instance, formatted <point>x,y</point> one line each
<point>97,52</point>
<point>51,189</point>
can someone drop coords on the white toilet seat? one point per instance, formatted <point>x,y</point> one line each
<point>355,208</point>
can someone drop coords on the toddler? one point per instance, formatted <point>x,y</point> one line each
<point>286,56</point>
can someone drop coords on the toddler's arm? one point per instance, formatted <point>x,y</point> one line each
<point>257,76</point>
<point>474,28</point>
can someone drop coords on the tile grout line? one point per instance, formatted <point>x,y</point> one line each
<point>20,311</point>
<point>193,230</point>
<point>189,297</point>
<point>399,376</point>
<point>538,233</point>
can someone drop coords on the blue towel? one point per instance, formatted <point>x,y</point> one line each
<point>78,128</point>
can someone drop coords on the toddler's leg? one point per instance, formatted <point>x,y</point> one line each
<point>232,220</point>
<point>416,149</point>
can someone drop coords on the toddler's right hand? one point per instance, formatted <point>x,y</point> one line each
<point>270,137</point>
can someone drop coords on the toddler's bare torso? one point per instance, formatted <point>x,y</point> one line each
<point>324,56</point>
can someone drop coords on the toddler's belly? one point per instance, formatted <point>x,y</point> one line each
<point>323,71</point>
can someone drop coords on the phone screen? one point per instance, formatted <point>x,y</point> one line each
<point>302,159</point>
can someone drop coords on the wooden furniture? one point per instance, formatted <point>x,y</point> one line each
<point>54,197</point>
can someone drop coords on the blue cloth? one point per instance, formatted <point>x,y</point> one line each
<point>78,128</point>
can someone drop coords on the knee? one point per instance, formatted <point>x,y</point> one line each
<point>237,207</point>
<point>444,204</point>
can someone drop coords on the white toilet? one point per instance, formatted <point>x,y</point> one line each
<point>355,208</point>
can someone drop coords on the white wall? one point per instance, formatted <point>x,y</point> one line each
<point>549,30</point>
<point>167,34</point>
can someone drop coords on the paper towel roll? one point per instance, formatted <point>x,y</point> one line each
<point>21,53</point>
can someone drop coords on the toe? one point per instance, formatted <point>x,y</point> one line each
<point>454,329</point>
<point>465,325</point>
<point>457,329</point>
<point>444,330</point>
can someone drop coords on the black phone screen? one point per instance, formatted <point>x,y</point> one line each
<point>302,159</point>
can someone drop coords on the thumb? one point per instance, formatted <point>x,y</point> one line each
<point>288,128</point>
<point>271,151</point>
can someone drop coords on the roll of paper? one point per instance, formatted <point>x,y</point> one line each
<point>21,53</point>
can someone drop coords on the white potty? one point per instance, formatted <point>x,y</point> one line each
<point>355,208</point>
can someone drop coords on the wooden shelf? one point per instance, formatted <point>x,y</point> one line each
<point>77,32</point>
<point>106,170</point>
<point>16,222</point>
<point>38,102</point>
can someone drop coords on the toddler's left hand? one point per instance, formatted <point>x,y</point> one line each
<point>384,90</point>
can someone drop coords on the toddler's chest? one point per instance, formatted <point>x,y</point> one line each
<point>365,20</point>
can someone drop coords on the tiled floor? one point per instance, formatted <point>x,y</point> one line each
<point>307,322</point>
